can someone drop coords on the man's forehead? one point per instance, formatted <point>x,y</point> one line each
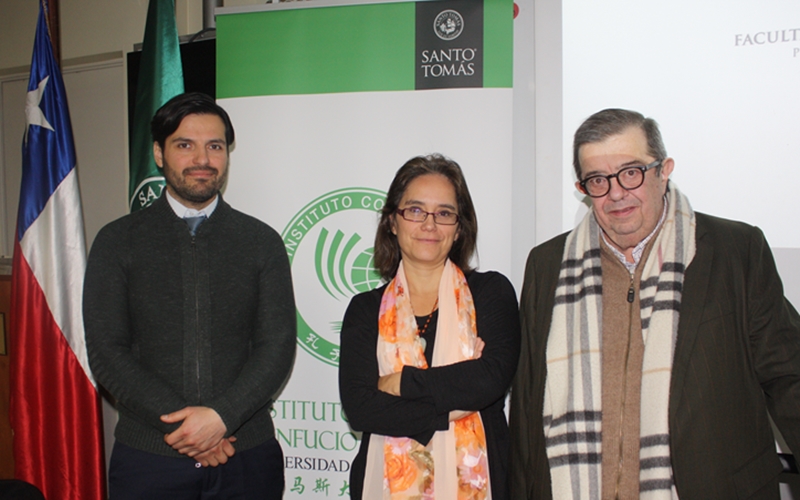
<point>196,122</point>
<point>629,147</point>
<point>205,117</point>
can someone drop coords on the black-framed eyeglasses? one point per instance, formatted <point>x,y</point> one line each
<point>628,178</point>
<point>416,214</point>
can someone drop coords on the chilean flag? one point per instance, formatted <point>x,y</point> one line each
<point>55,407</point>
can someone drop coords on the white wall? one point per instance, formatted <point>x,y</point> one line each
<point>88,27</point>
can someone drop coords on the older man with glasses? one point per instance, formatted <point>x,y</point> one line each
<point>655,341</point>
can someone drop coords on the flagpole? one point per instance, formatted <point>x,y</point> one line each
<point>51,9</point>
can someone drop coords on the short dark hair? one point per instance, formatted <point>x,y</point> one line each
<point>603,124</point>
<point>169,116</point>
<point>387,249</point>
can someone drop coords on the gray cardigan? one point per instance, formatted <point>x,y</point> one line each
<point>174,320</point>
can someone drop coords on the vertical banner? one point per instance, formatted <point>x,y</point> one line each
<point>328,103</point>
<point>160,79</point>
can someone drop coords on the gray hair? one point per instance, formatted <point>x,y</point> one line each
<point>603,124</point>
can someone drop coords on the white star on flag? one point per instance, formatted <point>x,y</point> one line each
<point>33,112</point>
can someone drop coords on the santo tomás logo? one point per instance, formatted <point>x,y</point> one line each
<point>448,25</point>
<point>148,191</point>
<point>330,248</point>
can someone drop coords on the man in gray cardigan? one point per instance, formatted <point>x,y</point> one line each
<point>190,325</point>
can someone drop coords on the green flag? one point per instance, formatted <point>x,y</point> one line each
<point>160,79</point>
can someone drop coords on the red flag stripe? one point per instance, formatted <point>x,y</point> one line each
<point>51,390</point>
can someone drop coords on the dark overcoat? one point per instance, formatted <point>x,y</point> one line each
<point>737,357</point>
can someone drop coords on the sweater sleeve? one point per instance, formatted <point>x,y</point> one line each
<point>109,341</point>
<point>475,384</point>
<point>367,408</point>
<point>273,342</point>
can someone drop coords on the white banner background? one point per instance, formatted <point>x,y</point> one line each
<point>291,150</point>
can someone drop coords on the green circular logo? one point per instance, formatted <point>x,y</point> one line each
<point>363,274</point>
<point>329,243</point>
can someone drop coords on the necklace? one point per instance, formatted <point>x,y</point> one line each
<point>421,331</point>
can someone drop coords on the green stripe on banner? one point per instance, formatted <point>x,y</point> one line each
<point>316,50</point>
<point>498,43</point>
<point>355,48</point>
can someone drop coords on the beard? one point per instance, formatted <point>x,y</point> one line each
<point>197,191</point>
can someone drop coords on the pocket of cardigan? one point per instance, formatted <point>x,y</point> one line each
<point>757,473</point>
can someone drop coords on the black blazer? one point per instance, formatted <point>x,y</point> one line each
<point>737,355</point>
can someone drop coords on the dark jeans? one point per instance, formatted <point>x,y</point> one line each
<point>256,473</point>
<point>14,489</point>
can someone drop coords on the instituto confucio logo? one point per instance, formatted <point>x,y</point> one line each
<point>448,25</point>
<point>330,248</point>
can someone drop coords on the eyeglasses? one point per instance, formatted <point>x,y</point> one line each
<point>628,178</point>
<point>416,214</point>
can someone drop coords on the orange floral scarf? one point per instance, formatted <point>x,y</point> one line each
<point>402,468</point>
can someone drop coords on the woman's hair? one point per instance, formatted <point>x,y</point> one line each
<point>387,250</point>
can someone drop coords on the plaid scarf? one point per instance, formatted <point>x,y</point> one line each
<point>572,400</point>
<point>400,467</point>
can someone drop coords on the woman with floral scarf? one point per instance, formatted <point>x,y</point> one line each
<point>427,358</point>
